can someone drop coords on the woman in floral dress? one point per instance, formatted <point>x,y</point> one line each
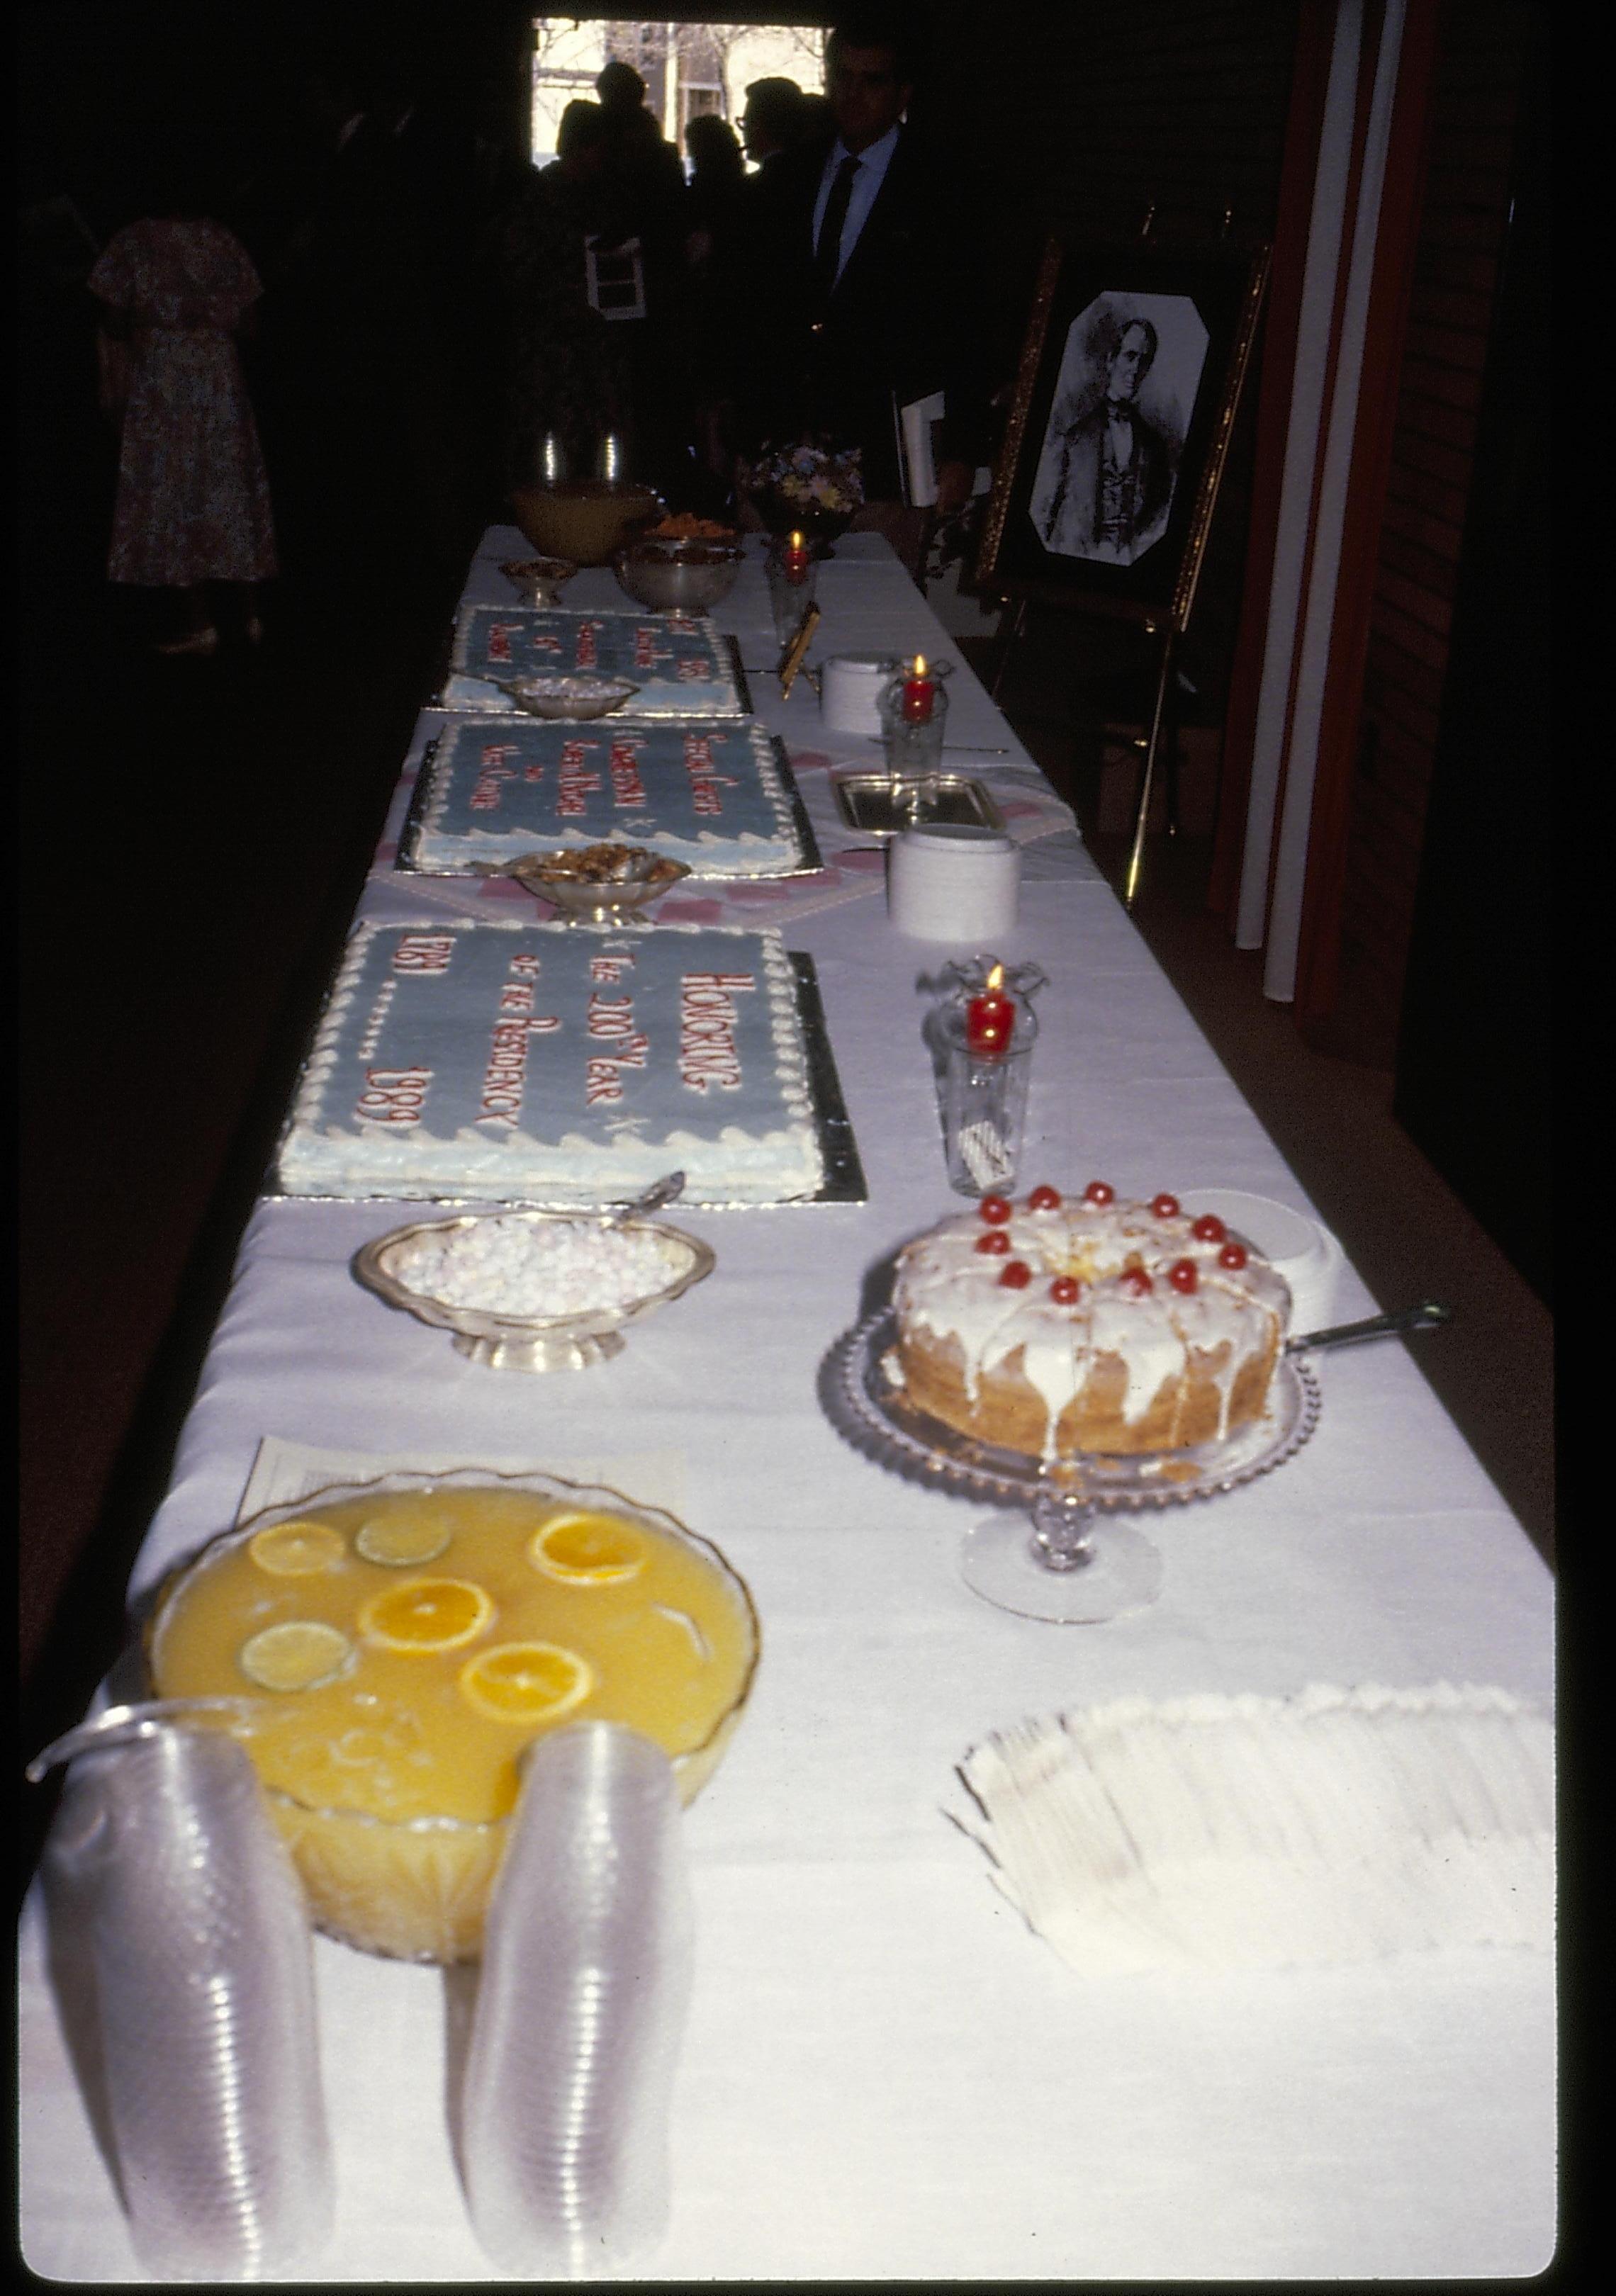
<point>192,513</point>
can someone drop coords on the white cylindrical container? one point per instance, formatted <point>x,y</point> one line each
<point>1306,1254</point>
<point>850,688</point>
<point>952,880</point>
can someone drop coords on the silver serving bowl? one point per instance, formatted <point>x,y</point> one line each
<point>578,695</point>
<point>531,1343</point>
<point>638,878</point>
<point>537,581</point>
<point>672,576</point>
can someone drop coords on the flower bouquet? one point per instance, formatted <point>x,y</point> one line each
<point>808,489</point>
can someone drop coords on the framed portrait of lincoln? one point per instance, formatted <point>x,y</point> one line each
<point>1131,375</point>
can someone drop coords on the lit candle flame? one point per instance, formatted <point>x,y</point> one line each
<point>797,542</point>
<point>995,979</point>
<point>920,665</point>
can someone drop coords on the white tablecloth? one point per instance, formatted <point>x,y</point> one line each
<point>885,2075</point>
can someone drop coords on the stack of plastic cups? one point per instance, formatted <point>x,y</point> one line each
<point>580,2008</point>
<point>164,1858</point>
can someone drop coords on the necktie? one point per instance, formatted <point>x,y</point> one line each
<point>827,253</point>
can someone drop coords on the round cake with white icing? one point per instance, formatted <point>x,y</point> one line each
<point>1058,1326</point>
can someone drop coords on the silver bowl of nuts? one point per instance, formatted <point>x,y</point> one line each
<point>684,566</point>
<point>533,1291</point>
<point>598,884</point>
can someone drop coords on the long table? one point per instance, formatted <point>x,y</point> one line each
<point>884,2073</point>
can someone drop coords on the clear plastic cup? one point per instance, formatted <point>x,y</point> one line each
<point>164,1861</point>
<point>585,1979</point>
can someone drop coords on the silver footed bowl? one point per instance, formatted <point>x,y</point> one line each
<point>530,1343</point>
<point>598,884</point>
<point>673,575</point>
<point>537,581</point>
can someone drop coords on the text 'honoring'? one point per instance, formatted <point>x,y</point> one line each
<point>709,1059</point>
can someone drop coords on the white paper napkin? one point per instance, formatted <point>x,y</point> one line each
<point>1249,1832</point>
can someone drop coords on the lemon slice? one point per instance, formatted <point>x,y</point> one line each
<point>526,1682</point>
<point>298,1654</point>
<point>398,1538</point>
<point>589,1550</point>
<point>426,1614</point>
<point>297,1550</point>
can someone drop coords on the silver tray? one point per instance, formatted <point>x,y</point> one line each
<point>871,1410</point>
<point>844,1181</point>
<point>444,669</point>
<point>811,865</point>
<point>864,802</point>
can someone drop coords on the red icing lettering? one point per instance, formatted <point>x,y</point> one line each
<point>393,1096</point>
<point>423,953</point>
<point>626,787</point>
<point>708,1057</point>
<point>574,784</point>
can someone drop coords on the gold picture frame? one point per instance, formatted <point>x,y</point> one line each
<point>1108,478</point>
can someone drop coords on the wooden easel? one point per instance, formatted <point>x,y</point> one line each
<point>1152,743</point>
<point>1159,745</point>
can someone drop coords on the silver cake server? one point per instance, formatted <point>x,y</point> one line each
<point>1425,1318</point>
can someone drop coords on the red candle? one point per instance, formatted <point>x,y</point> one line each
<point>796,560</point>
<point>919,693</point>
<point>990,1018</point>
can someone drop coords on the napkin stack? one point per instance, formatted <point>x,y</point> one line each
<point>1225,1833</point>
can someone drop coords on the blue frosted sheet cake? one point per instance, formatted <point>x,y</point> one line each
<point>711,793</point>
<point>556,1064</point>
<point>681,663</point>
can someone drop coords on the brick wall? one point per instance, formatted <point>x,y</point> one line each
<point>1463,210</point>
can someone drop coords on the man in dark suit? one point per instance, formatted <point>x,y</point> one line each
<point>864,288</point>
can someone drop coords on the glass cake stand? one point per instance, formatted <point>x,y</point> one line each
<point>1064,1554</point>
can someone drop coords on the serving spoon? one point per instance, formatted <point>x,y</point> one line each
<point>660,1193</point>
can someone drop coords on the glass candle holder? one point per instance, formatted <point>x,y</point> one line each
<point>984,1101</point>
<point>913,711</point>
<point>791,568</point>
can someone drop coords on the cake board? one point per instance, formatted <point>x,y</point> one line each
<point>727,647</point>
<point>843,1181</point>
<point>407,862</point>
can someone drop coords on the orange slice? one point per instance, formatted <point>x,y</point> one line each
<point>399,1539</point>
<point>426,1614</point>
<point>297,1550</point>
<point>589,1550</point>
<point>526,1682</point>
<point>298,1654</point>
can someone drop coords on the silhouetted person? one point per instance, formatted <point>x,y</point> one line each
<point>868,302</point>
<point>716,217</point>
<point>568,366</point>
<point>773,120</point>
<point>191,514</point>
